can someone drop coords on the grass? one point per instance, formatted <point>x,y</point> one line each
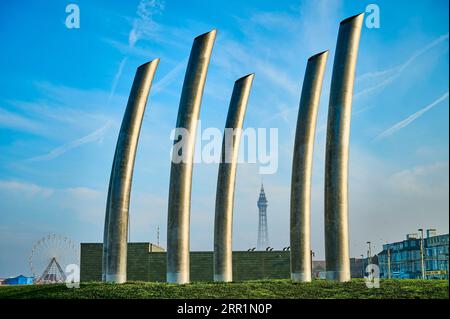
<point>261,289</point>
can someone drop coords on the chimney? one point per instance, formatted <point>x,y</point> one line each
<point>411,236</point>
<point>431,232</point>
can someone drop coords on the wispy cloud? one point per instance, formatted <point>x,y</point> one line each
<point>411,118</point>
<point>143,25</point>
<point>284,112</point>
<point>362,110</point>
<point>18,122</point>
<point>277,76</point>
<point>84,203</point>
<point>97,135</point>
<point>276,45</point>
<point>142,51</point>
<point>25,188</point>
<point>422,180</point>
<point>116,78</point>
<point>61,113</point>
<point>161,84</point>
<point>389,75</point>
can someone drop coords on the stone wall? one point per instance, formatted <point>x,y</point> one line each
<point>147,262</point>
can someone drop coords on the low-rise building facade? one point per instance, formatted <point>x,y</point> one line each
<point>403,259</point>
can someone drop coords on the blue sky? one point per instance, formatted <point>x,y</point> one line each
<point>63,93</point>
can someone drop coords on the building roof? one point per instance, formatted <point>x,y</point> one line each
<point>20,276</point>
<point>434,240</point>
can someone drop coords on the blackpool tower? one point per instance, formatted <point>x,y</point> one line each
<point>263,233</point>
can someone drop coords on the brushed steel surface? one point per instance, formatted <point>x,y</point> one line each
<point>223,221</point>
<point>118,201</point>
<point>300,224</point>
<point>178,216</point>
<point>337,150</point>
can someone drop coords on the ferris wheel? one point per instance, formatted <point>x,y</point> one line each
<point>49,258</point>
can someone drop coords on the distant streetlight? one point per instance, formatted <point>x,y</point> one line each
<point>421,253</point>
<point>389,262</point>
<point>446,257</point>
<point>369,256</point>
<point>362,268</point>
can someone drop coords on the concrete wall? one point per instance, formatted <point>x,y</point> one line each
<point>147,262</point>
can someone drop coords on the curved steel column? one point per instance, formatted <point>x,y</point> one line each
<point>105,231</point>
<point>223,222</point>
<point>181,172</point>
<point>300,228</point>
<point>337,148</point>
<point>116,219</point>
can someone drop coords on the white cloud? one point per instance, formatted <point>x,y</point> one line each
<point>169,77</point>
<point>277,76</point>
<point>398,126</point>
<point>143,26</point>
<point>88,204</point>
<point>83,192</point>
<point>59,107</point>
<point>95,136</point>
<point>116,78</point>
<point>85,205</point>
<point>18,122</point>
<point>26,189</point>
<point>387,200</point>
<point>388,76</point>
<point>421,181</point>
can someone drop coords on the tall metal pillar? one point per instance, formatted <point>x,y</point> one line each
<point>118,201</point>
<point>300,228</point>
<point>223,222</point>
<point>337,148</point>
<point>181,171</point>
